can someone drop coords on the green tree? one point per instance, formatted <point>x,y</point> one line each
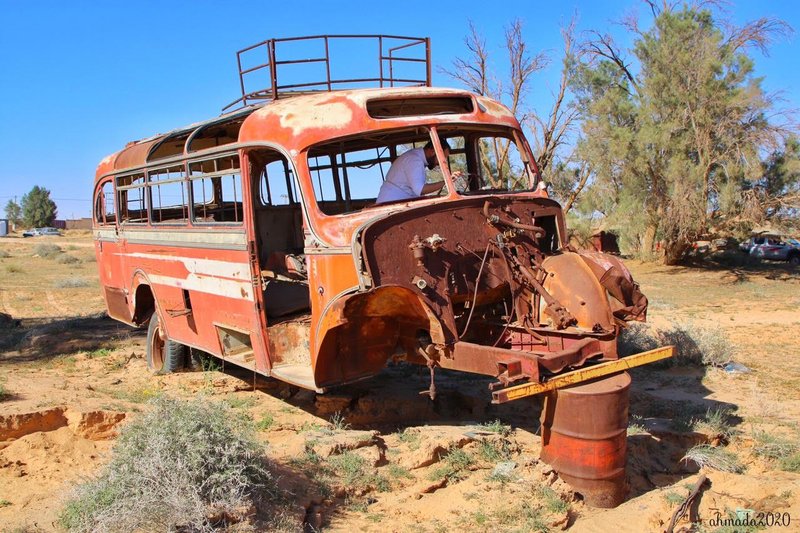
<point>674,136</point>
<point>13,212</point>
<point>37,208</point>
<point>775,198</point>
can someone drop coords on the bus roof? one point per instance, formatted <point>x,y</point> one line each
<point>301,121</point>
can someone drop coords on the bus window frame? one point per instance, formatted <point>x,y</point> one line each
<point>100,216</point>
<point>149,186</point>
<point>145,222</point>
<point>216,174</point>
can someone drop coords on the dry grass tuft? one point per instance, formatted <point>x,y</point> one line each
<point>694,345</point>
<point>714,457</point>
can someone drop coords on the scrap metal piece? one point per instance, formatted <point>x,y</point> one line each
<point>583,374</point>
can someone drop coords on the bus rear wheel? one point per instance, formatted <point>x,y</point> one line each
<point>163,355</point>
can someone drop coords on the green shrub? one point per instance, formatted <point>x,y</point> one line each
<point>47,250</point>
<point>455,466</point>
<point>184,465</point>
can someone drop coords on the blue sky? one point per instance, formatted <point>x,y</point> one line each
<point>80,79</point>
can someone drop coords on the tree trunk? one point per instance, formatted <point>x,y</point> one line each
<point>649,240</point>
<point>674,251</point>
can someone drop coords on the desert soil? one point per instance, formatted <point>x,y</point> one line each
<point>71,378</point>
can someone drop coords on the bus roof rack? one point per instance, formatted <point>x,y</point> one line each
<point>259,65</point>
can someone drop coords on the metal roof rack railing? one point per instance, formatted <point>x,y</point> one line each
<point>390,71</point>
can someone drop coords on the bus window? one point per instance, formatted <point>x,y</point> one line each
<point>132,207</point>
<point>217,190</point>
<point>501,166</point>
<point>104,209</point>
<point>277,186</point>
<point>168,199</point>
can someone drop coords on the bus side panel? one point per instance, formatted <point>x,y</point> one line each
<point>330,277</point>
<point>196,289</point>
<point>113,280</point>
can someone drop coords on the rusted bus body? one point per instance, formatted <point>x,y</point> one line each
<point>323,290</point>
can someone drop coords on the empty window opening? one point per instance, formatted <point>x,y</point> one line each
<point>105,211</point>
<point>132,206</point>
<point>169,201</point>
<point>216,186</point>
<point>411,107</point>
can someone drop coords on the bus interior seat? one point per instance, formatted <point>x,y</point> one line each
<point>286,290</point>
<point>283,297</point>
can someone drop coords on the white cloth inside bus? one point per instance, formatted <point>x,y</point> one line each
<point>405,178</point>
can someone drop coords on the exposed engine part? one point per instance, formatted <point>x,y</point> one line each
<point>562,318</point>
<point>418,246</point>
<point>497,220</point>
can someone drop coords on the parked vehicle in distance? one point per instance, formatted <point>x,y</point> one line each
<point>36,232</point>
<point>772,247</point>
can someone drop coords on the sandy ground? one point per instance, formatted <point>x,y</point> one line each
<point>72,377</point>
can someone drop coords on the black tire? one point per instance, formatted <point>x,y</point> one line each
<point>163,355</point>
<point>794,260</point>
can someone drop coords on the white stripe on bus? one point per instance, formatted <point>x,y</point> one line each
<point>228,288</point>
<point>202,267</point>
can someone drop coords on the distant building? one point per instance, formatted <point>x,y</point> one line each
<point>78,223</point>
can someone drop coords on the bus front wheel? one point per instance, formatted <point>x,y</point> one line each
<point>163,355</point>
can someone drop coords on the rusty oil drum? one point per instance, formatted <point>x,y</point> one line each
<point>584,432</point>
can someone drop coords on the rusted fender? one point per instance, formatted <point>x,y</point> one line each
<point>571,282</point>
<point>358,332</point>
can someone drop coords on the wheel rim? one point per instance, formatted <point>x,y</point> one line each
<point>157,349</point>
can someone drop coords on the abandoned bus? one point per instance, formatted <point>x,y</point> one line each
<point>256,237</point>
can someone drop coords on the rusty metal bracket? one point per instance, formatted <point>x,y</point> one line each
<point>427,354</point>
<point>583,374</point>
<point>561,316</point>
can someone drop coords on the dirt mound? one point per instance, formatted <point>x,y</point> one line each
<point>93,425</point>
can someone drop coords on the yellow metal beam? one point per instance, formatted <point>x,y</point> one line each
<point>582,374</point>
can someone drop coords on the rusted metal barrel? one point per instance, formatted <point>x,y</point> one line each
<point>584,431</point>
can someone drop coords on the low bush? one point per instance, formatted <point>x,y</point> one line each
<point>66,259</point>
<point>184,465</point>
<point>4,254</point>
<point>47,250</point>
<point>694,345</point>
<point>71,283</point>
